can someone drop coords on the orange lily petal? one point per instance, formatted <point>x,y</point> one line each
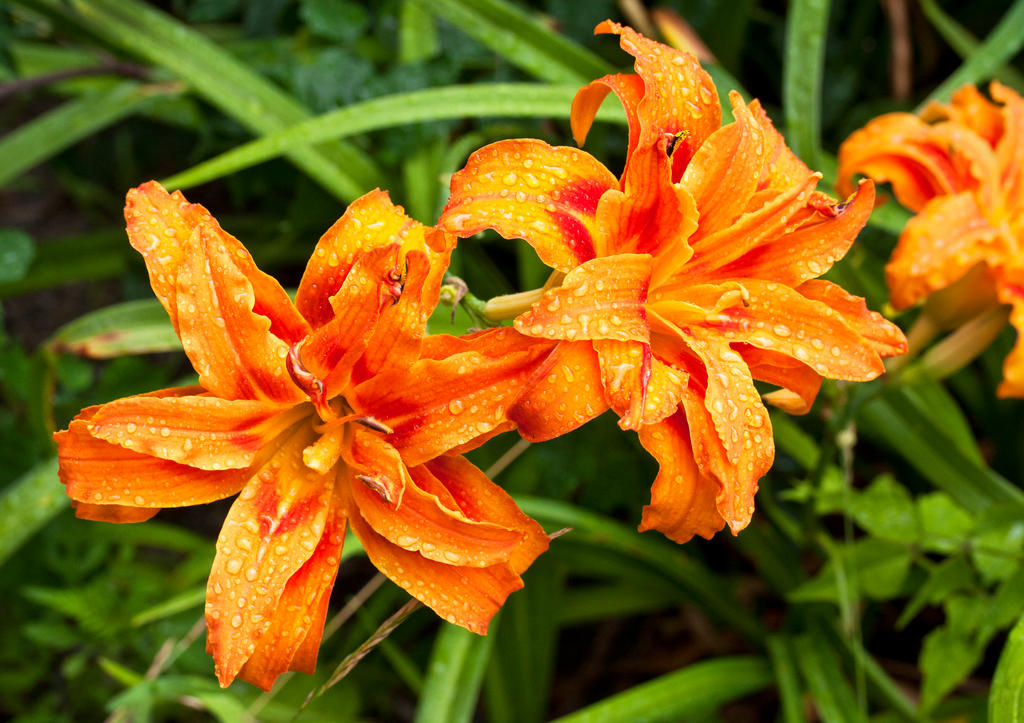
<point>1011,291</point>
<point>971,109</point>
<point>719,451</point>
<point>777,217</point>
<point>101,474</point>
<point>228,343</point>
<point>438,404</point>
<point>588,99</point>
<point>480,499</point>
<point>906,152</point>
<point>683,499</point>
<point>272,529</point>
<point>881,334</point>
<point>160,226</point>
<point>726,169</point>
<point>810,250</point>
<point>112,513</point>
<point>420,523</point>
<point>378,466</point>
<point>679,95</point>
<point>564,394</point>
<point>650,215</point>
<point>370,222</point>
<point>640,388</point>
<point>1010,149</point>
<point>783,168</point>
<point>600,299</point>
<point>780,319</point>
<point>465,596</point>
<point>331,352</point>
<point>799,383</point>
<point>730,430</point>
<point>397,335</point>
<point>202,432</point>
<point>939,245</point>
<point>292,641</point>
<point>530,190</point>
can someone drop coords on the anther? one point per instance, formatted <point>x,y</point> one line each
<point>375,485</point>
<point>373,424</point>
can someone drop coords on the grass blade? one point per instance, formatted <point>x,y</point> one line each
<point>804,65</point>
<point>696,689</point>
<point>62,127</point>
<point>454,674</point>
<point>29,503</point>
<point>998,48</point>
<point>222,80</point>
<point>1006,702</point>
<point>460,101</point>
<point>521,40</point>
<point>964,43</point>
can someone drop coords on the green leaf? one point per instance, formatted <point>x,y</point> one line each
<point>999,47</point>
<point>997,550</point>
<point>131,327</point>
<point>947,658</point>
<point>1006,701</point>
<point>830,690</point>
<point>803,69</point>
<point>886,510</point>
<point>454,675</point>
<point>335,19</point>
<point>964,43</point>
<point>872,566</point>
<point>780,649</point>
<point>696,689</point>
<point>233,88</point>
<point>945,525</point>
<point>521,40</point>
<point>701,584</point>
<point>62,127</point>
<point>27,504</point>
<point>417,33</point>
<point>949,576</point>
<point>16,253</point>
<point>179,603</point>
<point>902,421</point>
<point>460,101</point>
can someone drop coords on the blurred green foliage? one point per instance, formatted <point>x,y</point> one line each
<point>881,572</point>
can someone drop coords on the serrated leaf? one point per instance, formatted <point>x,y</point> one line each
<point>886,510</point>
<point>945,525</point>
<point>952,574</point>
<point>997,551</point>
<point>876,568</point>
<point>947,658</point>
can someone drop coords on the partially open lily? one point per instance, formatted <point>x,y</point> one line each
<point>323,414</point>
<point>680,283</point>
<point>960,168</point>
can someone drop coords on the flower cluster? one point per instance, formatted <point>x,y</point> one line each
<point>960,168</point>
<point>675,288</point>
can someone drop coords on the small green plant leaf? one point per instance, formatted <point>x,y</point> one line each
<point>132,327</point>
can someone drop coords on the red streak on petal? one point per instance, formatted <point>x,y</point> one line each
<point>582,196</point>
<point>577,237</point>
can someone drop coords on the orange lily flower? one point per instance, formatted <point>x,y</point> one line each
<point>681,283</point>
<point>326,413</point>
<point>960,168</point>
